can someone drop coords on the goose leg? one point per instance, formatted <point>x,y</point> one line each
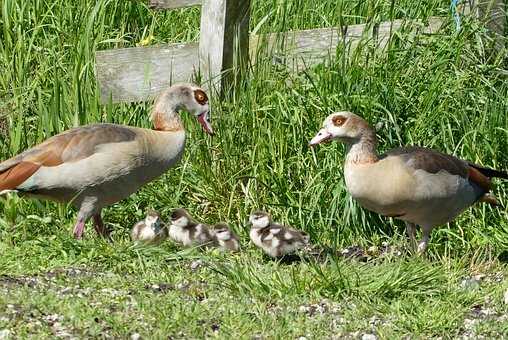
<point>79,228</point>
<point>422,245</point>
<point>86,210</point>
<point>100,228</point>
<point>411,233</point>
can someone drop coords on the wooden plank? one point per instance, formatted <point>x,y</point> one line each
<point>385,30</point>
<point>493,13</point>
<point>135,74</point>
<point>304,48</point>
<point>139,73</point>
<point>172,4</point>
<point>223,37</point>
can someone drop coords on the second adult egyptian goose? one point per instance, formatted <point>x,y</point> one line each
<point>97,165</point>
<point>417,185</point>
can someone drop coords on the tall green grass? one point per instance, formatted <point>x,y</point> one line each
<point>447,91</point>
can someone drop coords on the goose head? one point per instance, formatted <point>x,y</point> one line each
<point>259,219</point>
<point>344,126</point>
<point>181,96</point>
<point>180,218</point>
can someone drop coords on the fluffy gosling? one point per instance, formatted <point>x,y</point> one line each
<point>225,238</point>
<point>274,239</point>
<point>186,231</point>
<point>151,230</point>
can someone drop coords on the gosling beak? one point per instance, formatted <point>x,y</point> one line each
<point>322,137</point>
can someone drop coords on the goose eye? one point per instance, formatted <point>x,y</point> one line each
<point>200,97</point>
<point>338,120</point>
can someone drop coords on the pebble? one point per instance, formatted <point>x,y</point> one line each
<point>313,309</point>
<point>373,251</point>
<point>469,324</point>
<point>5,334</point>
<point>196,264</point>
<point>369,337</point>
<point>506,297</point>
<point>136,336</point>
<point>470,283</point>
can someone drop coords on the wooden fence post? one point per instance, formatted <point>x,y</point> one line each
<point>493,13</point>
<point>224,36</point>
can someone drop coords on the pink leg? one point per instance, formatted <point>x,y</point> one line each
<point>78,229</point>
<point>100,228</point>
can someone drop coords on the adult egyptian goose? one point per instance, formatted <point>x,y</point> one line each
<point>274,239</point>
<point>185,230</point>
<point>97,165</point>
<point>417,185</point>
<point>151,230</point>
<point>225,238</point>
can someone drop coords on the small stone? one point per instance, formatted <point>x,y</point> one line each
<point>5,334</point>
<point>136,336</point>
<point>488,311</point>
<point>66,290</point>
<point>196,264</point>
<point>373,250</point>
<point>470,284</point>
<point>302,338</point>
<point>374,321</point>
<point>469,324</point>
<point>506,297</point>
<point>369,337</point>
<point>479,277</point>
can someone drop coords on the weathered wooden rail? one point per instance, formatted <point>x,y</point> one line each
<point>139,73</point>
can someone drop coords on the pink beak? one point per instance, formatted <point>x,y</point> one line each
<point>322,137</point>
<point>203,120</point>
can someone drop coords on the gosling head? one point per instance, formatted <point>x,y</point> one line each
<point>222,231</point>
<point>180,218</point>
<point>259,219</point>
<point>152,218</point>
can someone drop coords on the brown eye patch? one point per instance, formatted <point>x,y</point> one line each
<point>338,120</point>
<point>200,97</point>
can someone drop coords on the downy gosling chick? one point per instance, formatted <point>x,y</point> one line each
<point>151,230</point>
<point>225,238</point>
<point>276,240</point>
<point>185,230</point>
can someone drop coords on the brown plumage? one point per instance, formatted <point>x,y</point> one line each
<point>97,165</point>
<point>417,185</point>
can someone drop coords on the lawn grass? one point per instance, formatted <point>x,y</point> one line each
<point>447,91</point>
